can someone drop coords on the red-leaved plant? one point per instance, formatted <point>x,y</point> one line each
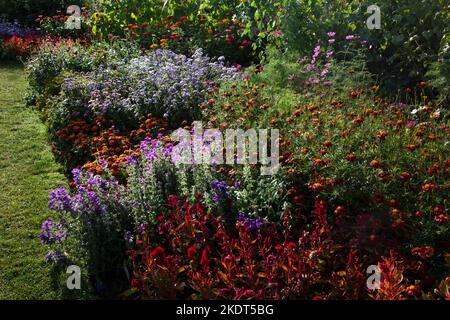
<point>197,257</point>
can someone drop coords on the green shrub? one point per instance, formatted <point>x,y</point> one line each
<point>402,52</point>
<point>369,158</point>
<point>439,73</point>
<point>409,40</point>
<point>47,69</point>
<point>26,11</point>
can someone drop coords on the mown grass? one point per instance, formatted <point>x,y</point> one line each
<point>28,172</point>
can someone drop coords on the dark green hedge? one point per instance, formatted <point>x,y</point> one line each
<point>26,11</point>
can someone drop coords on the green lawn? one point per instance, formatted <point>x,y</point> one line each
<point>28,172</point>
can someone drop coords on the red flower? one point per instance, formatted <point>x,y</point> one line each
<point>422,84</point>
<point>204,261</point>
<point>340,210</point>
<point>158,253</point>
<point>134,283</point>
<point>191,252</point>
<point>423,252</point>
<point>382,134</point>
<point>230,39</point>
<point>350,157</point>
<point>131,253</point>
<point>258,70</point>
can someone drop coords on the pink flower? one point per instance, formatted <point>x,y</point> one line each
<point>331,34</point>
<point>350,37</point>
<point>331,41</point>
<point>238,67</point>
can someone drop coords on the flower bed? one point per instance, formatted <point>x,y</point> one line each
<point>363,179</point>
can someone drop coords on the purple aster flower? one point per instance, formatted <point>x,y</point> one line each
<point>253,224</point>
<point>51,232</point>
<point>129,237</point>
<point>141,228</point>
<point>60,200</point>
<point>220,190</point>
<point>402,105</point>
<point>56,257</point>
<point>46,231</point>
<point>77,176</point>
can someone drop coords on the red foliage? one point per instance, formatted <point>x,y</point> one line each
<point>196,257</point>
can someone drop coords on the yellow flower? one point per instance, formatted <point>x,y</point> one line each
<point>163,43</point>
<point>435,115</point>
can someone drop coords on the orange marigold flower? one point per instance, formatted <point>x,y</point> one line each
<point>422,84</point>
<point>423,252</point>
<point>319,162</point>
<point>429,187</point>
<point>413,290</point>
<point>405,176</point>
<point>382,134</point>
<point>375,164</point>
<point>358,120</point>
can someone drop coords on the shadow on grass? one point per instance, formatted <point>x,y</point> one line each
<point>59,283</point>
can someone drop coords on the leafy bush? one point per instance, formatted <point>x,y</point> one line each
<point>401,52</point>
<point>192,254</point>
<point>17,41</point>
<point>161,83</point>
<point>45,70</point>
<point>100,212</point>
<point>56,25</point>
<point>363,178</point>
<point>380,165</point>
<point>439,73</point>
<point>82,143</point>
<point>26,11</point>
<point>409,40</point>
<point>181,27</point>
